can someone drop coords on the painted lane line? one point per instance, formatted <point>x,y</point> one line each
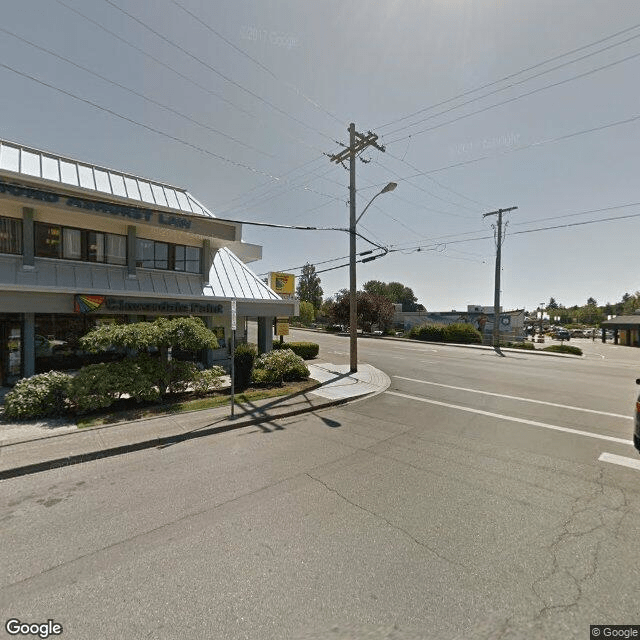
<point>501,395</point>
<point>500,416</point>
<point>632,463</point>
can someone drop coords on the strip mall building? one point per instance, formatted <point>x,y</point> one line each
<point>82,245</point>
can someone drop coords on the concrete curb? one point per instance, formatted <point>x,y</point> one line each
<point>149,443</point>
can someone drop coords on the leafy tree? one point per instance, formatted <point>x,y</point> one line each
<point>396,292</point>
<point>185,334</point>
<point>592,302</point>
<point>552,304</point>
<point>371,309</point>
<point>307,313</point>
<point>309,289</point>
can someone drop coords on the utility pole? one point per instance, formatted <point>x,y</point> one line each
<point>496,295</point>
<point>357,143</point>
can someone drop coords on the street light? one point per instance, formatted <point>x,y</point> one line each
<point>353,311</point>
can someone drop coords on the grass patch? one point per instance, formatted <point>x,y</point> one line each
<point>219,399</point>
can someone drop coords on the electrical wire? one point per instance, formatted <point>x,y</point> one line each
<point>137,93</point>
<point>258,63</point>
<point>218,72</point>
<point>237,107</point>
<point>512,75</point>
<point>512,99</point>
<point>139,124</point>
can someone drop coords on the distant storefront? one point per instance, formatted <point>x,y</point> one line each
<point>626,329</point>
<point>482,318</point>
<point>82,245</point>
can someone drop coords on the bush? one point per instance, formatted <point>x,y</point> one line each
<point>306,350</point>
<point>520,345</point>
<point>207,380</point>
<point>564,348</point>
<point>428,332</point>
<point>462,333</point>
<point>279,366</point>
<point>244,357</point>
<point>39,396</point>
<point>98,386</point>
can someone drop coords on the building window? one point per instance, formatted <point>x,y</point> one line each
<point>72,244</point>
<point>48,240</point>
<point>160,255</point>
<point>10,235</point>
<point>187,259</point>
<point>116,249</point>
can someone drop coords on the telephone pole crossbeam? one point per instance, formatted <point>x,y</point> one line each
<point>496,294</point>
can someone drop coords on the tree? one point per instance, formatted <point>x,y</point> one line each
<point>185,334</point>
<point>307,313</point>
<point>309,289</point>
<point>371,309</point>
<point>592,302</point>
<point>552,304</point>
<point>396,292</point>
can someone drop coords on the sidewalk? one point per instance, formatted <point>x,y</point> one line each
<point>42,449</point>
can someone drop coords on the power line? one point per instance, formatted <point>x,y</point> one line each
<point>139,124</point>
<point>136,93</point>
<point>519,148</point>
<point>218,72</point>
<point>509,100</point>
<point>258,63</point>
<point>513,75</point>
<point>185,77</point>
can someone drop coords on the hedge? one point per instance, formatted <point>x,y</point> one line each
<point>458,332</point>
<point>564,348</point>
<point>39,396</point>
<point>279,366</point>
<point>306,350</point>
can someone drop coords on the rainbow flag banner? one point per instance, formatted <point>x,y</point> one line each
<point>87,304</point>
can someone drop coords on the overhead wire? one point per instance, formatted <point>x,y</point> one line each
<point>219,73</point>
<point>241,51</point>
<point>136,93</point>
<point>512,75</point>
<point>513,98</point>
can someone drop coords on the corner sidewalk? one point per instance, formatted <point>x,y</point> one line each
<point>47,450</point>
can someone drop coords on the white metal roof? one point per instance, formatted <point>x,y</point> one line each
<point>53,168</point>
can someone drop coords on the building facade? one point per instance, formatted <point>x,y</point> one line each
<point>82,245</point>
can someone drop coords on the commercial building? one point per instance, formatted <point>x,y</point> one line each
<point>626,329</point>
<point>82,245</point>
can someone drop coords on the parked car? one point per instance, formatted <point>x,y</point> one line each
<point>561,334</point>
<point>636,435</point>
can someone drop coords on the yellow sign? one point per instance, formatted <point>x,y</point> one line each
<point>283,283</point>
<point>282,326</point>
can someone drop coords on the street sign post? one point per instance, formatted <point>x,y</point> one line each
<point>233,351</point>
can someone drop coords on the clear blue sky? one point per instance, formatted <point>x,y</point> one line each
<point>258,91</point>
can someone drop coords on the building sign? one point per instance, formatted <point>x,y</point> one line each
<point>112,304</point>
<point>119,210</point>
<point>282,327</point>
<point>284,284</point>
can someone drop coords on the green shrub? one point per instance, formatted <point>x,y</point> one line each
<point>564,348</point>
<point>207,380</point>
<point>306,350</point>
<point>428,332</point>
<point>279,366</point>
<point>520,345</point>
<point>182,373</point>
<point>244,357</point>
<point>98,386</point>
<point>462,333</point>
<point>39,396</point>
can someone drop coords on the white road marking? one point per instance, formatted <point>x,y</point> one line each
<point>533,423</point>
<point>502,395</point>
<point>632,463</point>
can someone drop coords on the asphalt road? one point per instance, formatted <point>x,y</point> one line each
<point>478,497</point>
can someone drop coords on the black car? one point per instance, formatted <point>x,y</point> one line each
<point>561,334</point>
<point>636,435</point>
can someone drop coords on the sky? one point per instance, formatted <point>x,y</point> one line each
<point>478,105</point>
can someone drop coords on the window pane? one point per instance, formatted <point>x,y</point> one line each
<point>48,240</point>
<point>95,246</point>
<point>193,259</point>
<point>72,244</point>
<point>116,249</point>
<point>162,256</point>
<point>144,253</point>
<point>180,258</point>
<point>10,235</point>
